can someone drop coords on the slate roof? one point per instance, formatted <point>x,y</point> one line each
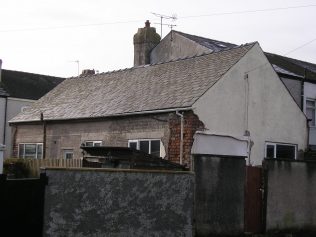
<point>282,65</point>
<point>214,45</point>
<point>176,84</point>
<point>27,85</point>
<point>293,66</point>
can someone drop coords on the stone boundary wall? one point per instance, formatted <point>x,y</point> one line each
<point>112,202</point>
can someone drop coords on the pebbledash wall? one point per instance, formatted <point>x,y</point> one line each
<point>112,132</point>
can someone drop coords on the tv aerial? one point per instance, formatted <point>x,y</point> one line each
<point>161,16</point>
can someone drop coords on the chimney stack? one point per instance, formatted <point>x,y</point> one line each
<point>144,41</point>
<point>87,72</point>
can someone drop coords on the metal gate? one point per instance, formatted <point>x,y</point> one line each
<point>253,200</point>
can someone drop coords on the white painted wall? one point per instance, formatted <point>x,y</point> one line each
<point>272,113</point>
<point>310,93</point>
<point>13,108</point>
<point>2,118</point>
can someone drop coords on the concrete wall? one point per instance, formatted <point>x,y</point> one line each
<point>219,195</point>
<point>260,104</point>
<point>112,132</point>
<point>175,46</point>
<point>118,203</point>
<point>15,106</point>
<point>291,192</point>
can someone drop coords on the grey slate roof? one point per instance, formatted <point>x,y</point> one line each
<point>26,85</point>
<point>214,45</point>
<point>294,66</point>
<point>176,84</point>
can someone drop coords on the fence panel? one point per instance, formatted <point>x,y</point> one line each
<point>36,164</point>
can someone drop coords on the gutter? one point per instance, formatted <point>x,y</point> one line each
<point>109,116</point>
<point>181,136</point>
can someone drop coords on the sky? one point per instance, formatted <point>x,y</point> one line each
<point>50,36</point>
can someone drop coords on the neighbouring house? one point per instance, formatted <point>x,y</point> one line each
<point>158,108</point>
<point>18,91</point>
<point>298,76</point>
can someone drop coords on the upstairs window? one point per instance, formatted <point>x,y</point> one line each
<point>310,111</point>
<point>281,151</point>
<point>93,143</point>
<point>31,150</point>
<point>150,146</point>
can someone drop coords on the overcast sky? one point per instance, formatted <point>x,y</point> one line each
<point>47,36</point>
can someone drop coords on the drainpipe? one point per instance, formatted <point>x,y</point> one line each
<point>44,135</point>
<point>181,136</point>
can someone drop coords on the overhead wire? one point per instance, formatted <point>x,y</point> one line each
<point>134,20</point>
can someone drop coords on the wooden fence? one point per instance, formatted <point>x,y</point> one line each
<point>34,165</point>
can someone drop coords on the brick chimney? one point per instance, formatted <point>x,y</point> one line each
<point>87,72</point>
<point>144,41</point>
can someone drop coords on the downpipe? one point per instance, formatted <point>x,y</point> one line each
<point>181,135</point>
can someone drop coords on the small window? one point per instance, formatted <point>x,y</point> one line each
<point>31,150</point>
<point>93,143</point>
<point>150,146</point>
<point>68,153</point>
<point>310,111</point>
<point>281,151</point>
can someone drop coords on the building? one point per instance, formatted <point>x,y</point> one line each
<point>159,107</point>
<point>18,91</point>
<point>298,76</point>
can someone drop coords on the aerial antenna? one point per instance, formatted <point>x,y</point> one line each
<point>173,18</point>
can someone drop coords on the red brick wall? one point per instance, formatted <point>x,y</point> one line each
<point>191,125</point>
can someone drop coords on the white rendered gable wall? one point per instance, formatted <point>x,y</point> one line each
<point>270,114</point>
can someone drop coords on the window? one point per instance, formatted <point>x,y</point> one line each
<point>279,150</point>
<point>310,111</point>
<point>150,146</point>
<point>93,143</point>
<point>31,150</point>
<point>68,153</point>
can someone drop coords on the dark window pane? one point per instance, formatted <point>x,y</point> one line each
<point>144,146</point>
<point>285,151</point>
<point>39,151</point>
<point>89,143</point>
<point>97,144</point>
<point>21,151</point>
<point>155,148</point>
<point>133,145</point>
<point>30,150</point>
<point>270,151</point>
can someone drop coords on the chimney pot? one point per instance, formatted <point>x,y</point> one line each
<point>86,72</point>
<point>147,24</point>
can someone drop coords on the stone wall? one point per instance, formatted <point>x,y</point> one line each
<point>118,203</point>
<point>290,196</point>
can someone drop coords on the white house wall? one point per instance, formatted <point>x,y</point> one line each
<point>273,115</point>
<point>13,108</point>
<point>310,93</point>
<point>2,118</point>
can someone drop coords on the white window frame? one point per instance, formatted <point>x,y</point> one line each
<point>274,144</point>
<point>66,152</point>
<point>308,107</point>
<point>93,142</point>
<point>149,140</point>
<point>37,144</point>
